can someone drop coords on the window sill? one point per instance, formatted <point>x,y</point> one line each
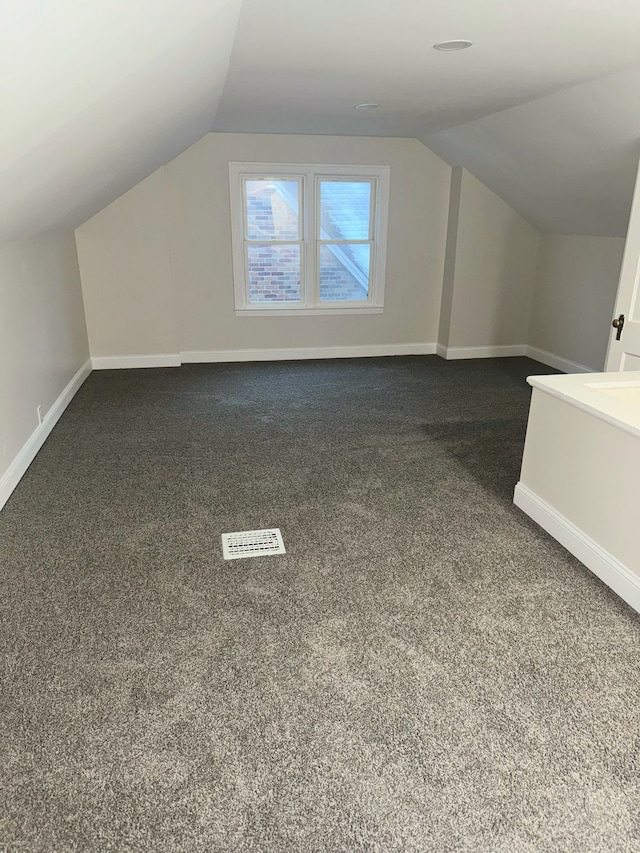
<point>303,312</point>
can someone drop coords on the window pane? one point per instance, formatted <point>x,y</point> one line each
<point>274,273</point>
<point>344,272</point>
<point>345,207</point>
<point>271,210</point>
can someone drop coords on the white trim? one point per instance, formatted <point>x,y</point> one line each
<point>294,354</point>
<point>627,293</point>
<point>481,352</point>
<point>25,457</point>
<point>115,362</point>
<point>302,312</point>
<point>615,574</point>
<point>508,350</point>
<point>450,353</point>
<point>557,361</point>
<point>309,174</point>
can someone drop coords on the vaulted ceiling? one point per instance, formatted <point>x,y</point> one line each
<point>567,162</point>
<point>544,108</point>
<point>97,94</point>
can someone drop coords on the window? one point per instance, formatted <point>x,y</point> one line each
<point>308,239</point>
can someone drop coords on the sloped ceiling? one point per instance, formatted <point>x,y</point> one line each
<point>96,95</point>
<point>565,161</point>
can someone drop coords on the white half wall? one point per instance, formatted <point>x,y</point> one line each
<point>43,345</point>
<point>157,268</point>
<point>577,435</point>
<point>490,273</point>
<point>574,297</point>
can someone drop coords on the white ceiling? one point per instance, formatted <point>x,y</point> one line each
<point>566,161</point>
<point>299,67</point>
<point>97,94</point>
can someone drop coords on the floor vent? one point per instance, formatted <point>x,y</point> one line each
<point>252,543</point>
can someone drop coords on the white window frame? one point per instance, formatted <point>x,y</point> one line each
<point>310,176</point>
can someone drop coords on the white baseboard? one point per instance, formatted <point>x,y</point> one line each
<point>118,362</point>
<point>25,457</point>
<point>603,564</point>
<point>557,361</point>
<point>481,352</point>
<point>544,357</point>
<point>366,351</point>
<point>297,353</point>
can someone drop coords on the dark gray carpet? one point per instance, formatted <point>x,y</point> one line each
<point>425,670</point>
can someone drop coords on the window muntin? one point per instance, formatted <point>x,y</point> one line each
<point>309,239</point>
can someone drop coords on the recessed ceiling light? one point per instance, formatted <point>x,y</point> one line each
<point>366,106</point>
<point>454,44</point>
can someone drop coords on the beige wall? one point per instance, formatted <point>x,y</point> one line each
<point>491,265</point>
<point>157,270</point>
<point>574,297</point>
<point>43,340</point>
<point>125,259</point>
<point>448,278</point>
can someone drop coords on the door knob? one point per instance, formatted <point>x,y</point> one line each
<point>618,324</point>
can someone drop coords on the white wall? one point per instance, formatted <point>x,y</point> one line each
<point>491,266</point>
<point>43,341</point>
<point>574,297</point>
<point>146,292</point>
